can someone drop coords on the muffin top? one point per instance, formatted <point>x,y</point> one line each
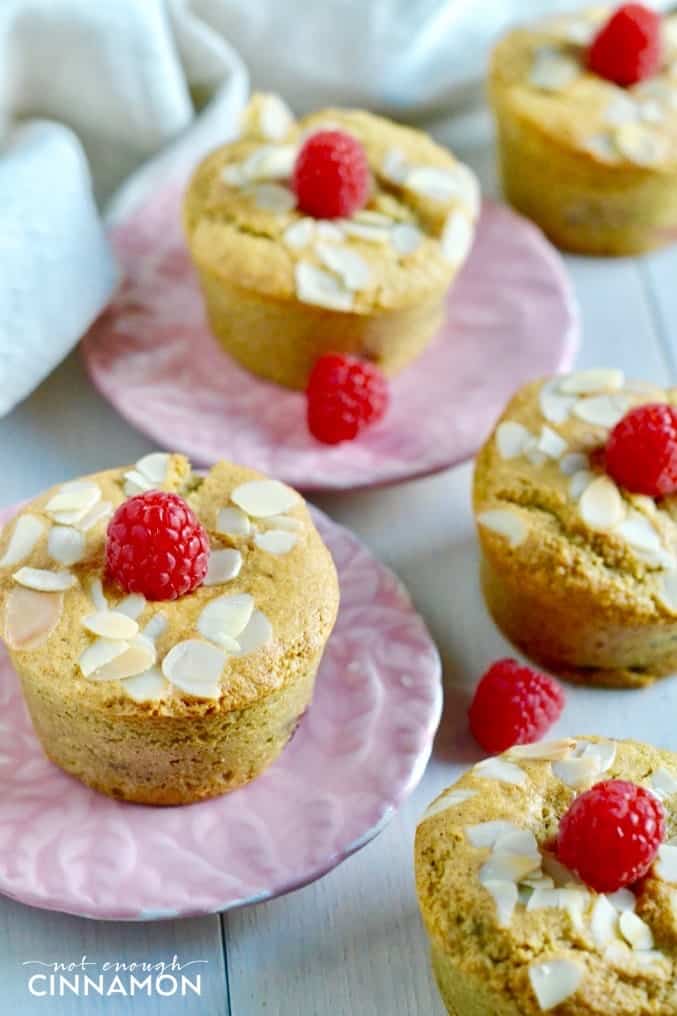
<point>270,596</point>
<point>543,501</point>
<point>540,72</point>
<point>408,241</point>
<point>495,897</point>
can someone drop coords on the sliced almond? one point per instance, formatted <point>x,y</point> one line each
<point>507,867</point>
<point>44,581</point>
<point>224,565</point>
<point>110,624</point>
<point>137,656</point>
<point>604,752</point>
<point>288,522</point>
<point>547,751</point>
<point>329,230</point>
<point>369,232</point>
<point>603,922</point>
<point>350,266</point>
<point>96,594</point>
<point>622,899</point>
<point>146,687</point>
<point>663,783</point>
<point>602,146</point>
<point>573,463</point>
<point>135,483</point>
<point>602,410</point>
<point>195,667</point>
<point>448,800</point>
<point>226,615</point>
<point>30,617</point>
<point>639,144</point>
<point>65,545</point>
<point>505,522</point>
<point>262,498</point>
<point>554,981</point>
<point>485,834</point>
<point>232,522</point>
<point>257,634</point>
<point>272,197</point>
<point>666,590</point>
<point>395,167</point>
<point>405,238</point>
<point>635,931</point>
<point>276,541</point>
<point>638,531</point>
<point>99,513</point>
<point>512,439</point>
<point>601,505</point>
<point>558,872</point>
<point>77,498</point>
<point>457,237</point>
<point>154,467</point>
<point>27,531</point>
<point>580,482</point>
<point>577,773</point>
<point>431,182</point>
<point>500,770</point>
<point>544,899</point>
<point>505,897</point>
<point>300,234</point>
<point>554,406</point>
<point>269,162</point>
<point>552,70</point>
<point>323,289</point>
<point>99,654</point>
<point>275,117</point>
<point>518,841</point>
<point>588,382</point>
<point>133,605</point>
<point>666,866</point>
<point>551,443</point>
<point>156,627</point>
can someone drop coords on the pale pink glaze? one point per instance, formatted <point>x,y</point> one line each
<point>511,317</point>
<point>359,750</point>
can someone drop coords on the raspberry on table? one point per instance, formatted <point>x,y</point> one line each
<point>628,47</point>
<point>611,834</point>
<point>331,176</point>
<point>156,546</point>
<point>641,452</point>
<point>512,705</point>
<point>345,395</point>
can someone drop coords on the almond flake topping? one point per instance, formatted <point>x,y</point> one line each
<point>276,541</point>
<point>370,232</point>
<point>350,267</point>
<point>592,381</point>
<point>486,834</point>
<point>275,117</point>
<point>640,144</point>
<point>667,590</point>
<point>288,522</point>
<point>226,616</point>
<point>498,769</point>
<point>448,800</point>
<point>512,439</point>
<point>156,627</point>
<point>272,197</point>
<point>505,522</point>
<point>405,238</point>
<point>133,605</point>
<point>601,505</point>
<point>100,512</point>
<point>555,407</point>
<point>115,659</point>
<point>72,502</point>
<point>395,166</point>
<point>195,667</point>
<point>257,634</point>
<point>96,594</point>
<point>544,751</point>
<point>44,581</point>
<point>663,783</point>
<point>457,237</point>
<point>111,624</point>
<point>635,931</point>
<point>27,531</point>
<point>602,410</point>
<point>262,498</point>
<point>146,687</point>
<point>323,289</point>
<point>300,234</point>
<point>666,866</point>
<point>554,981</point>
<point>580,482</point>
<point>31,617</point>
<point>552,70</point>
<point>573,462</point>
<point>505,896</point>
<point>551,444</point>
<point>508,867</point>
<point>232,522</point>
<point>65,545</point>
<point>224,565</point>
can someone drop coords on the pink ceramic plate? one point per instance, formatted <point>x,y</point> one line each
<point>359,750</point>
<point>511,317</point>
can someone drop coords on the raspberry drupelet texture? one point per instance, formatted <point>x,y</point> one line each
<point>628,47</point>
<point>513,705</point>
<point>611,834</point>
<point>331,176</point>
<point>641,452</point>
<point>156,546</point>
<point>345,395</point>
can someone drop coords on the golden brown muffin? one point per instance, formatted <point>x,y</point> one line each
<point>282,289</point>
<point>594,164</point>
<point>513,932</point>
<point>174,701</point>
<point>580,575</point>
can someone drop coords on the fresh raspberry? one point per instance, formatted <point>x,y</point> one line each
<point>611,834</point>
<point>345,395</point>
<point>628,47</point>
<point>513,705</point>
<point>641,453</point>
<point>331,176</point>
<point>156,546</point>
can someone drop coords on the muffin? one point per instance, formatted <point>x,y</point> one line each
<point>512,931</point>
<point>579,574</point>
<point>282,288</point>
<point>175,700</point>
<point>594,164</point>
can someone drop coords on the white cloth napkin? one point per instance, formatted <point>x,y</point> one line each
<point>92,89</point>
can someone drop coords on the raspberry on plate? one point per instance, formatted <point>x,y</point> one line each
<point>345,395</point>
<point>331,177</point>
<point>513,705</point>
<point>628,47</point>
<point>611,834</point>
<point>641,452</point>
<point>156,546</point>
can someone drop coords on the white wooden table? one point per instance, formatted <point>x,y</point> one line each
<point>351,944</point>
